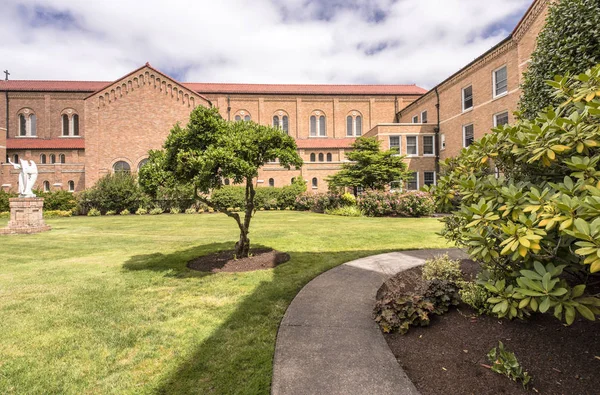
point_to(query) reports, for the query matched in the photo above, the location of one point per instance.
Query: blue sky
(253, 41)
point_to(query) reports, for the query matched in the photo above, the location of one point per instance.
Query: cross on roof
(7, 74)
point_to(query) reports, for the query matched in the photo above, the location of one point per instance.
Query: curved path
(328, 342)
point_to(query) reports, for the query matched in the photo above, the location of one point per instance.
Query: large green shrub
(390, 204)
(568, 43)
(289, 193)
(58, 200)
(536, 225)
(4, 203)
(113, 192)
(317, 202)
(442, 268)
(228, 197)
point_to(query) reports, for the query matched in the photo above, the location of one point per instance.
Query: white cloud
(289, 41)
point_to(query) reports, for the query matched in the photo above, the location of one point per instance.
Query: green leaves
(506, 363)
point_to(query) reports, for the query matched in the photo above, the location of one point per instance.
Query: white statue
(27, 177)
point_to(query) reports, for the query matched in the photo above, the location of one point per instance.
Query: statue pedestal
(25, 216)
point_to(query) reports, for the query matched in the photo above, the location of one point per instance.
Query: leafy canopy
(369, 167)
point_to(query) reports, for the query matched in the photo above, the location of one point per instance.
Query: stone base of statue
(25, 216)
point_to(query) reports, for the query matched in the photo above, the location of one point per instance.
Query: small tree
(369, 167)
(210, 150)
(569, 43)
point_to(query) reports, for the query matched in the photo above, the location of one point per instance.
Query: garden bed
(225, 261)
(448, 356)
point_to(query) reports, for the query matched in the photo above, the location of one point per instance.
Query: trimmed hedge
(388, 204)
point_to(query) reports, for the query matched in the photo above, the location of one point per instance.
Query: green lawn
(106, 304)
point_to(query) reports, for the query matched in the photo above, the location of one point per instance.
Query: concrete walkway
(328, 342)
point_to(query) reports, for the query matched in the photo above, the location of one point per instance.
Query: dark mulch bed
(259, 259)
(446, 357)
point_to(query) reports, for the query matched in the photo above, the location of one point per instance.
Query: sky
(252, 41)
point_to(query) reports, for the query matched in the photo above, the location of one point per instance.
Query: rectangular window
(428, 145)
(429, 178)
(468, 135)
(424, 117)
(416, 119)
(412, 148)
(395, 144)
(413, 183)
(500, 81)
(467, 98)
(442, 141)
(501, 119)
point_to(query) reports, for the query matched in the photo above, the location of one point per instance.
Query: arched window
(27, 123)
(313, 157)
(15, 158)
(292, 180)
(142, 163)
(43, 159)
(46, 185)
(71, 185)
(75, 121)
(52, 158)
(70, 122)
(226, 182)
(62, 158)
(65, 125)
(329, 157)
(271, 182)
(321, 157)
(315, 182)
(121, 167)
(281, 121)
(242, 115)
(354, 124)
(318, 124)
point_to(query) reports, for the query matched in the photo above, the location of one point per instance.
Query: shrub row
(387, 204)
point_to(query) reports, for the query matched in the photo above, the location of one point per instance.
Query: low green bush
(93, 212)
(345, 211)
(228, 196)
(156, 211)
(58, 200)
(317, 202)
(391, 204)
(398, 313)
(190, 210)
(443, 294)
(141, 211)
(57, 213)
(125, 212)
(348, 199)
(4, 203)
(114, 192)
(111, 212)
(476, 296)
(175, 210)
(506, 363)
(442, 268)
(4, 214)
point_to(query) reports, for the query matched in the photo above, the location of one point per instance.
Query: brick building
(78, 131)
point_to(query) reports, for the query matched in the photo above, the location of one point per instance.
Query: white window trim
(399, 144)
(462, 99)
(423, 112)
(496, 115)
(494, 95)
(434, 177)
(442, 141)
(418, 183)
(416, 136)
(464, 140)
(433, 139)
(415, 118)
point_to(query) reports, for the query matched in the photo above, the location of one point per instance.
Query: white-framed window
(315, 183)
(500, 79)
(71, 185)
(121, 167)
(271, 182)
(468, 135)
(46, 186)
(313, 157)
(442, 141)
(467, 98)
(412, 146)
(281, 121)
(395, 144)
(429, 178)
(415, 119)
(70, 123)
(353, 124)
(412, 184)
(43, 159)
(27, 123)
(501, 119)
(428, 145)
(318, 124)
(424, 117)
(242, 115)
(329, 157)
(62, 159)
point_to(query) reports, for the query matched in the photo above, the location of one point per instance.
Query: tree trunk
(242, 247)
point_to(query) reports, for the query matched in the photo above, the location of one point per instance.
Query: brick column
(25, 216)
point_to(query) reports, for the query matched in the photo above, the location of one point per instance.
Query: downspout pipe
(6, 97)
(437, 134)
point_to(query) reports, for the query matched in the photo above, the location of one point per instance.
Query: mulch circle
(447, 356)
(224, 261)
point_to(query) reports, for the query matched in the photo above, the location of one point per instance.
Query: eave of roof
(35, 143)
(317, 143)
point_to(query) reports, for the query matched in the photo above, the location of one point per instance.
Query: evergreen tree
(569, 43)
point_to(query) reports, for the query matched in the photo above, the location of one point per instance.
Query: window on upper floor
(271, 182)
(121, 167)
(16, 158)
(412, 146)
(468, 135)
(313, 157)
(71, 186)
(442, 141)
(415, 119)
(424, 117)
(281, 121)
(62, 158)
(329, 157)
(315, 183)
(52, 158)
(318, 124)
(353, 124)
(429, 178)
(70, 122)
(428, 145)
(46, 186)
(27, 123)
(501, 119)
(500, 81)
(395, 144)
(467, 98)
(242, 115)
(43, 159)
(321, 157)
(412, 184)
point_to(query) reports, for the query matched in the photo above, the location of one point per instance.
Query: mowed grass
(107, 305)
